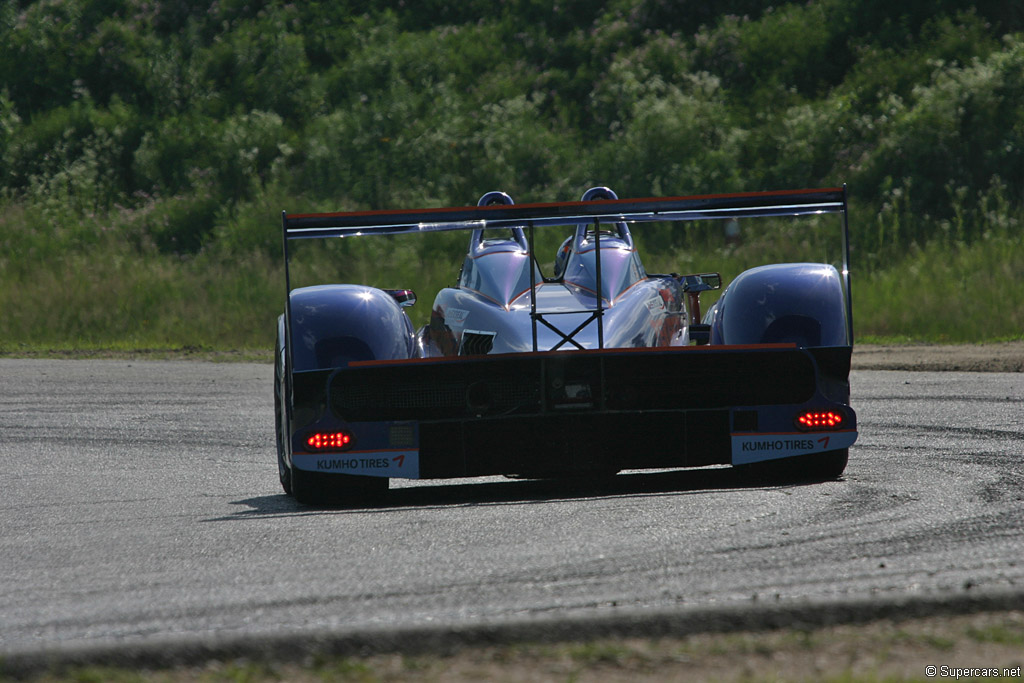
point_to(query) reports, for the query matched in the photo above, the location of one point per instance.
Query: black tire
(321, 488)
(280, 428)
(818, 467)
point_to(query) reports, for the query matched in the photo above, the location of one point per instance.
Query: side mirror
(403, 297)
(701, 283)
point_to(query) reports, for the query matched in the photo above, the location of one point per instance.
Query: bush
(674, 142)
(179, 130)
(954, 136)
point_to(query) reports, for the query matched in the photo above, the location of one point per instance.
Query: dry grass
(881, 651)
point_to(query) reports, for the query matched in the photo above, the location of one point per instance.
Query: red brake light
(329, 441)
(820, 420)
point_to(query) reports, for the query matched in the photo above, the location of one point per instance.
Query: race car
(596, 368)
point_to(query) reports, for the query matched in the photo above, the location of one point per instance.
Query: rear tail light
(820, 420)
(329, 441)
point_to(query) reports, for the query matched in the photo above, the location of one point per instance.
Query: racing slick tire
(283, 471)
(818, 467)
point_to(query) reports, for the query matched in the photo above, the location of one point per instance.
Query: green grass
(938, 294)
(109, 300)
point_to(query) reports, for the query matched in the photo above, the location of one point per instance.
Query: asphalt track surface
(141, 509)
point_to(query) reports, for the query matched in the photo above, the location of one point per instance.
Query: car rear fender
(333, 325)
(799, 303)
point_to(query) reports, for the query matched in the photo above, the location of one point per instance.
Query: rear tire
(818, 467)
(280, 428)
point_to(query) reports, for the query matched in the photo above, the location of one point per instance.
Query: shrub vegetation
(148, 147)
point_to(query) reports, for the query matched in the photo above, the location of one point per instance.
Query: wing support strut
(594, 314)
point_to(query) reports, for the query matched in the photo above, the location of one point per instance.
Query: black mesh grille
(534, 383)
(401, 397)
(425, 391)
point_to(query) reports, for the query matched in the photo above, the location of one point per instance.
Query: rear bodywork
(601, 368)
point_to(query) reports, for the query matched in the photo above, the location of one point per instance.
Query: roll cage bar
(582, 213)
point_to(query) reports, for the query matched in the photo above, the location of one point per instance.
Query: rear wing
(529, 216)
(746, 205)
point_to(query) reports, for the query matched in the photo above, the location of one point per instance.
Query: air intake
(476, 343)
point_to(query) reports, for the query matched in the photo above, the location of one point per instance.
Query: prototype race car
(599, 368)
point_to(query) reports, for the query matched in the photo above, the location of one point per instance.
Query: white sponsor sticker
(455, 317)
(748, 448)
(403, 464)
(655, 303)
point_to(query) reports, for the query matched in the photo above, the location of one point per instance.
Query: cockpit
(576, 262)
(497, 264)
